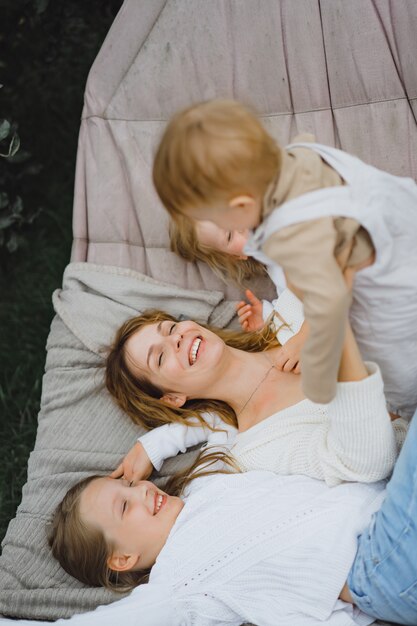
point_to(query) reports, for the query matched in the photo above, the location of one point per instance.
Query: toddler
(316, 211)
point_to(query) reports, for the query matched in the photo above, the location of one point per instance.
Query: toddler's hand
(250, 315)
(135, 466)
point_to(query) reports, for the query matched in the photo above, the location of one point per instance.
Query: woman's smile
(166, 352)
(194, 352)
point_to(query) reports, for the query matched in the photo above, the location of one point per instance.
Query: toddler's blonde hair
(185, 243)
(212, 152)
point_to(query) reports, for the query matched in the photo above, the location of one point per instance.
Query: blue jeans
(383, 577)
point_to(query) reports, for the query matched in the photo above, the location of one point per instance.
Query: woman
(162, 371)
(253, 547)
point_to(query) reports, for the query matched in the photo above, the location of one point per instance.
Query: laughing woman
(191, 379)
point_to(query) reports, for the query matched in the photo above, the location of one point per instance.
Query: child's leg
(383, 578)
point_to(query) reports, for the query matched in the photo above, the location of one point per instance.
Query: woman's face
(135, 520)
(176, 357)
(227, 241)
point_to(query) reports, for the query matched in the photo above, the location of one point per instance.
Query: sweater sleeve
(306, 252)
(358, 442)
(352, 439)
(170, 439)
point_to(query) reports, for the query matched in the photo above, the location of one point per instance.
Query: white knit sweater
(350, 439)
(256, 547)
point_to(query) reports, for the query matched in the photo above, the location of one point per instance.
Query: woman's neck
(254, 388)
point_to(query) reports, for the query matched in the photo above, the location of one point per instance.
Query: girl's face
(176, 357)
(136, 521)
(228, 241)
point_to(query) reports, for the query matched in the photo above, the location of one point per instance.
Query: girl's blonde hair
(83, 551)
(140, 399)
(212, 152)
(185, 243)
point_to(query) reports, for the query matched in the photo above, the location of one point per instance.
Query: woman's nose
(177, 339)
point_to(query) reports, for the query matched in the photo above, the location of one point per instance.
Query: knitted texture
(349, 439)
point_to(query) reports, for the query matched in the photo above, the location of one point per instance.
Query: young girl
(223, 251)
(254, 547)
(317, 210)
(162, 371)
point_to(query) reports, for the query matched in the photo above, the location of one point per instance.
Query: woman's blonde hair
(83, 551)
(212, 152)
(185, 243)
(140, 399)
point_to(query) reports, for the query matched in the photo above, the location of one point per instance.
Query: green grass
(44, 68)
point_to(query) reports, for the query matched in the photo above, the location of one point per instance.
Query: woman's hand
(250, 315)
(135, 466)
(288, 359)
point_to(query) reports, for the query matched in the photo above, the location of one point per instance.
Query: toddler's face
(228, 241)
(242, 213)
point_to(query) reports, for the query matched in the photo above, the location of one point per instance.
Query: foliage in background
(46, 50)
(13, 167)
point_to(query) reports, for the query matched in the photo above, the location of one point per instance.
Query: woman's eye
(124, 507)
(229, 236)
(160, 360)
(171, 328)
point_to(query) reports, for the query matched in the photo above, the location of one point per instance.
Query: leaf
(20, 157)
(17, 206)
(33, 216)
(5, 127)
(13, 243)
(41, 6)
(4, 199)
(6, 221)
(13, 146)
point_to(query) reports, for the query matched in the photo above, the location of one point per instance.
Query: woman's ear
(176, 400)
(122, 562)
